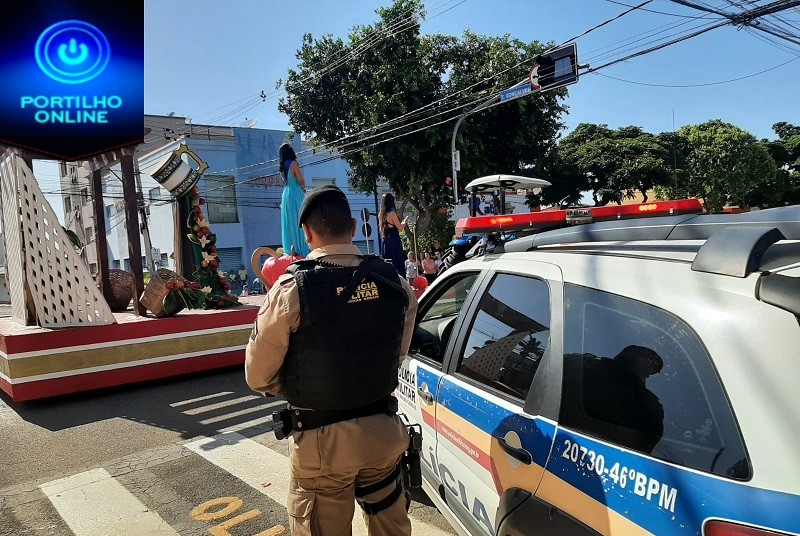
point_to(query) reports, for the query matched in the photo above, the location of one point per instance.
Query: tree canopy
(614, 164)
(724, 165)
(367, 95)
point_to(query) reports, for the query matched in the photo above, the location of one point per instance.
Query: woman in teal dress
(294, 188)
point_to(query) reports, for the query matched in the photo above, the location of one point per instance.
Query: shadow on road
(192, 405)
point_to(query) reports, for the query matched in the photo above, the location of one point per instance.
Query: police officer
(329, 338)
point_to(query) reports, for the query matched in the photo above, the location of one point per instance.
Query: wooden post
(182, 251)
(132, 224)
(100, 233)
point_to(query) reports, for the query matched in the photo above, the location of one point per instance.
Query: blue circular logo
(72, 52)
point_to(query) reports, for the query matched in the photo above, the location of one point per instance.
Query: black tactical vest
(345, 353)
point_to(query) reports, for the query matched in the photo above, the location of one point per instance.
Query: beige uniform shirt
(280, 316)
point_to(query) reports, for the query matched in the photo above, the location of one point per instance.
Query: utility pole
(559, 68)
(148, 246)
(455, 156)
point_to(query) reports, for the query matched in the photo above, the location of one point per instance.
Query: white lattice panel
(12, 236)
(64, 293)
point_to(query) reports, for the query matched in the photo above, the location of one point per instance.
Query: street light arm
(482, 106)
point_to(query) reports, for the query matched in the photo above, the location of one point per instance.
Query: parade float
(63, 337)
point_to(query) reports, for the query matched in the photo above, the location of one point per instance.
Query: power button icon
(72, 52)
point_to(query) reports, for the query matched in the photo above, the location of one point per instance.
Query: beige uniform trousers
(327, 464)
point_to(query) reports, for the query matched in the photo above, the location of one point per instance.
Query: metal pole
(377, 226)
(485, 104)
(366, 238)
(148, 246)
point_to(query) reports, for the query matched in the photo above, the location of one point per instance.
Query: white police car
(626, 377)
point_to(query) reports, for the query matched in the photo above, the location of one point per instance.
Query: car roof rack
(735, 244)
(685, 227)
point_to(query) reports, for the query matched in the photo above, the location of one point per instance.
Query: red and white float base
(37, 362)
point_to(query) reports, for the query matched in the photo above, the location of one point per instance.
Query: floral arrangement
(210, 288)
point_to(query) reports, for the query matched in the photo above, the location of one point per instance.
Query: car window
(508, 335)
(439, 314)
(639, 377)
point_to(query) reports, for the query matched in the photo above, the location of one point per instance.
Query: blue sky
(200, 57)
(206, 58)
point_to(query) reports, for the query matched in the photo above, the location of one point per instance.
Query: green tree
(380, 78)
(785, 187)
(724, 164)
(615, 164)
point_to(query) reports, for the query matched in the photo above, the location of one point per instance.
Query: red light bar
(561, 218)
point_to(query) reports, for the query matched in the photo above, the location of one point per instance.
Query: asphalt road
(180, 456)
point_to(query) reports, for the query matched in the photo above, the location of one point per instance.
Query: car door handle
(425, 395)
(516, 452)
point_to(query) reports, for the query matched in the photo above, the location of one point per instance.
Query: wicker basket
(156, 290)
(121, 292)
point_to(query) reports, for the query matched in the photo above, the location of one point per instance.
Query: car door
(421, 371)
(495, 414)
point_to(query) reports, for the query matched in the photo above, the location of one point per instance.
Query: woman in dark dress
(390, 224)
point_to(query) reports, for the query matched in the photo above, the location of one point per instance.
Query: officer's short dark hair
(327, 211)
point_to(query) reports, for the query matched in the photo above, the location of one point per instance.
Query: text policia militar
(71, 108)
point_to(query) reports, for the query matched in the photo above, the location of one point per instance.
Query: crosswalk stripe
(93, 503)
(263, 408)
(220, 405)
(268, 472)
(199, 399)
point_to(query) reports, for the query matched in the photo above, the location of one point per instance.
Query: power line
(748, 18)
(654, 10)
(703, 84)
(379, 34)
(336, 143)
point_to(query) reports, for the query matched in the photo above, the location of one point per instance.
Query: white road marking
(257, 465)
(199, 399)
(220, 405)
(93, 503)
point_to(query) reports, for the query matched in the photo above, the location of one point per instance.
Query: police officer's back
(329, 338)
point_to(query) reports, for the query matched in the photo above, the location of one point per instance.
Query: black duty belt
(298, 420)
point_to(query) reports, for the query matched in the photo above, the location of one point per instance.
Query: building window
(109, 212)
(164, 263)
(84, 195)
(67, 205)
(318, 182)
(115, 264)
(89, 233)
(221, 199)
(154, 194)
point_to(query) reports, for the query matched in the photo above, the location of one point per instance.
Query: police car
(633, 376)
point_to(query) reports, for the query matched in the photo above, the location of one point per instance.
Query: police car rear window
(639, 377)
